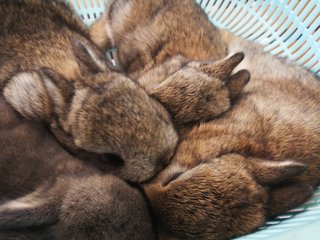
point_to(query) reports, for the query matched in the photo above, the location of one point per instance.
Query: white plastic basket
(288, 28)
(285, 28)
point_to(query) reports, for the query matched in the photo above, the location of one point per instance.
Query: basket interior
(285, 28)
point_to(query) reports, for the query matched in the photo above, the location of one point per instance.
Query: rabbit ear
(274, 172)
(101, 32)
(237, 82)
(288, 196)
(221, 68)
(36, 94)
(116, 17)
(29, 211)
(90, 59)
(33, 95)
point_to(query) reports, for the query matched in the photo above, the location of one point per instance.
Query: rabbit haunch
(52, 73)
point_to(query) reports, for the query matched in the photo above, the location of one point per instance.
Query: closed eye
(114, 159)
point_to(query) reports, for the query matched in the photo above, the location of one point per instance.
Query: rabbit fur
(78, 197)
(51, 72)
(254, 161)
(45, 193)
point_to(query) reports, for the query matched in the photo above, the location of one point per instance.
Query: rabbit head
(102, 112)
(146, 33)
(194, 91)
(217, 199)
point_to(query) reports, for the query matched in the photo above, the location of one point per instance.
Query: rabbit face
(217, 198)
(101, 112)
(146, 33)
(113, 116)
(194, 91)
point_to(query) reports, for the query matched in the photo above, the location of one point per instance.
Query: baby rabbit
(259, 159)
(195, 91)
(146, 33)
(56, 195)
(150, 48)
(51, 72)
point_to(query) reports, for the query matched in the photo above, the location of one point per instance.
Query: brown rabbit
(51, 72)
(64, 190)
(195, 91)
(229, 174)
(56, 195)
(146, 33)
(276, 118)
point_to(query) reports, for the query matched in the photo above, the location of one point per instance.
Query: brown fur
(146, 33)
(276, 118)
(195, 91)
(273, 126)
(58, 196)
(147, 47)
(51, 72)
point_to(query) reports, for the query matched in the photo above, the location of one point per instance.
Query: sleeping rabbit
(51, 72)
(256, 160)
(45, 193)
